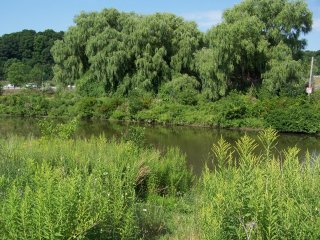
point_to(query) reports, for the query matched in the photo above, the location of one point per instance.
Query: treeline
(25, 56)
(257, 44)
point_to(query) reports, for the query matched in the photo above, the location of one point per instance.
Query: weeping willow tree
(118, 52)
(259, 42)
(111, 52)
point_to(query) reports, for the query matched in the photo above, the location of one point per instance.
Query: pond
(195, 142)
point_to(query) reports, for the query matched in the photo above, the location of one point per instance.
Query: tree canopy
(125, 50)
(252, 37)
(258, 43)
(29, 48)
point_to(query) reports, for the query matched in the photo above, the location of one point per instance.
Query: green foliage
(213, 79)
(125, 51)
(17, 73)
(27, 103)
(139, 100)
(63, 105)
(1, 88)
(236, 110)
(249, 32)
(294, 116)
(135, 134)
(182, 89)
(268, 138)
(37, 75)
(260, 197)
(112, 52)
(87, 86)
(106, 106)
(30, 47)
(307, 61)
(84, 189)
(85, 107)
(49, 129)
(58, 188)
(283, 72)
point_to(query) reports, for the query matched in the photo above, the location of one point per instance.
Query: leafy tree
(213, 78)
(253, 29)
(18, 73)
(119, 52)
(30, 47)
(37, 74)
(124, 51)
(284, 20)
(283, 70)
(43, 42)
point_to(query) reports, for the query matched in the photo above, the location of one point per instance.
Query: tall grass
(253, 195)
(53, 188)
(60, 188)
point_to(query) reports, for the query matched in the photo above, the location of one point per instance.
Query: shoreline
(163, 124)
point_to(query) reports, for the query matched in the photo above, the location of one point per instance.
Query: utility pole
(309, 88)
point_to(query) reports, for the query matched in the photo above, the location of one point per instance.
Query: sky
(16, 15)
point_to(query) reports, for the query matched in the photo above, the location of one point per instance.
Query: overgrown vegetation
(258, 196)
(237, 110)
(55, 188)
(60, 188)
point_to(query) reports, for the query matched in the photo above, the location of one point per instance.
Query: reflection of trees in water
(18, 126)
(196, 142)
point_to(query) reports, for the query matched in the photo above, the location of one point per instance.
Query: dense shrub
(183, 89)
(237, 110)
(63, 105)
(27, 103)
(86, 106)
(293, 115)
(139, 100)
(106, 106)
(88, 87)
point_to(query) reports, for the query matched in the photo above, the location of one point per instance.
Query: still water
(195, 142)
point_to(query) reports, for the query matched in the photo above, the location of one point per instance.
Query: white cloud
(316, 24)
(205, 19)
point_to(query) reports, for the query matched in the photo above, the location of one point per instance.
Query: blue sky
(39, 15)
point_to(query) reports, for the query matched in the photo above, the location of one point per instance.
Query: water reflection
(194, 142)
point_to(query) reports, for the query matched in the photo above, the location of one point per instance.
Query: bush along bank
(237, 110)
